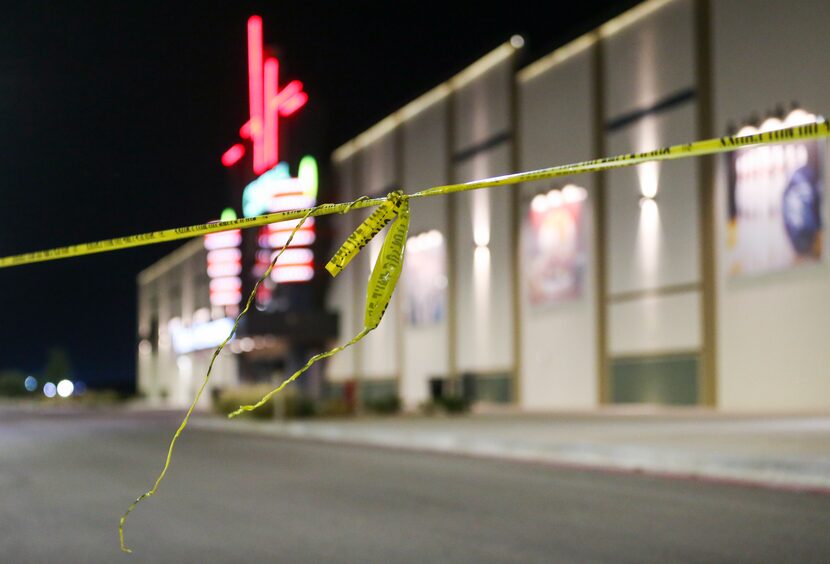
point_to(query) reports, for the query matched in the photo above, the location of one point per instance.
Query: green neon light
(257, 194)
(308, 176)
(228, 214)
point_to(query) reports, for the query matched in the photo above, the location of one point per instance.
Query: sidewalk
(770, 450)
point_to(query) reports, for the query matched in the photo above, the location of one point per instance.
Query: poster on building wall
(775, 203)
(425, 279)
(554, 246)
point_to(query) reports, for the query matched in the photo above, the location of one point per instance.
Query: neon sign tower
(266, 103)
(274, 189)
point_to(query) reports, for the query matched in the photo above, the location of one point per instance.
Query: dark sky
(113, 116)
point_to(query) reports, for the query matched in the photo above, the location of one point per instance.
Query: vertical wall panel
(484, 286)
(484, 274)
(652, 246)
(649, 59)
(772, 328)
(376, 174)
(340, 296)
(650, 249)
(425, 348)
(559, 341)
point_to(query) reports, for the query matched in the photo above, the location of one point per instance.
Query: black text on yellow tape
(387, 269)
(364, 233)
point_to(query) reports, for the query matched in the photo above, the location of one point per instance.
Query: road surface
(66, 479)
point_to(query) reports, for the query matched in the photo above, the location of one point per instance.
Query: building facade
(695, 282)
(178, 330)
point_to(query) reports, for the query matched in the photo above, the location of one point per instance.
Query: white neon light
(223, 240)
(223, 269)
(230, 283)
(289, 202)
(294, 256)
(301, 239)
(294, 273)
(290, 225)
(226, 298)
(224, 255)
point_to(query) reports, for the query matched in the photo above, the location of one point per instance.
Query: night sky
(113, 116)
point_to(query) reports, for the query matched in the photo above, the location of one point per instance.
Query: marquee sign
(274, 189)
(224, 265)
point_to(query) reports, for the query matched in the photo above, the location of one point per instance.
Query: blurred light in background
(517, 41)
(49, 390)
(65, 388)
(30, 383)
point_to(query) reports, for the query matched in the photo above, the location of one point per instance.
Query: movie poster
(776, 196)
(425, 279)
(554, 246)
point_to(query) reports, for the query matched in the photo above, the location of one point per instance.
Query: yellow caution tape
(389, 265)
(154, 237)
(382, 284)
(696, 149)
(152, 491)
(364, 233)
(387, 269)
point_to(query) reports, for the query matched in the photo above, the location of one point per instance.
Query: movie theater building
(693, 282)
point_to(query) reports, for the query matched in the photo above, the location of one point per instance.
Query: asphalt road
(66, 479)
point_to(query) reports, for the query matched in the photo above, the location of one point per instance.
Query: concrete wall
(177, 287)
(425, 348)
(653, 248)
(377, 173)
(558, 348)
(772, 328)
(771, 348)
(341, 293)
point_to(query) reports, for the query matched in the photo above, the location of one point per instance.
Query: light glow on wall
(649, 175)
(648, 241)
(199, 336)
(425, 279)
(775, 196)
(481, 218)
(553, 246)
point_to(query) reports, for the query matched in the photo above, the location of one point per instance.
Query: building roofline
(423, 102)
(170, 261)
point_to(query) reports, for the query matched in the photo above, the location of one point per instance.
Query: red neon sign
(266, 102)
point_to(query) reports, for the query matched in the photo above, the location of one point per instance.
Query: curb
(752, 471)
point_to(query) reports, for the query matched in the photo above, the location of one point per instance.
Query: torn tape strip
(364, 233)
(387, 269)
